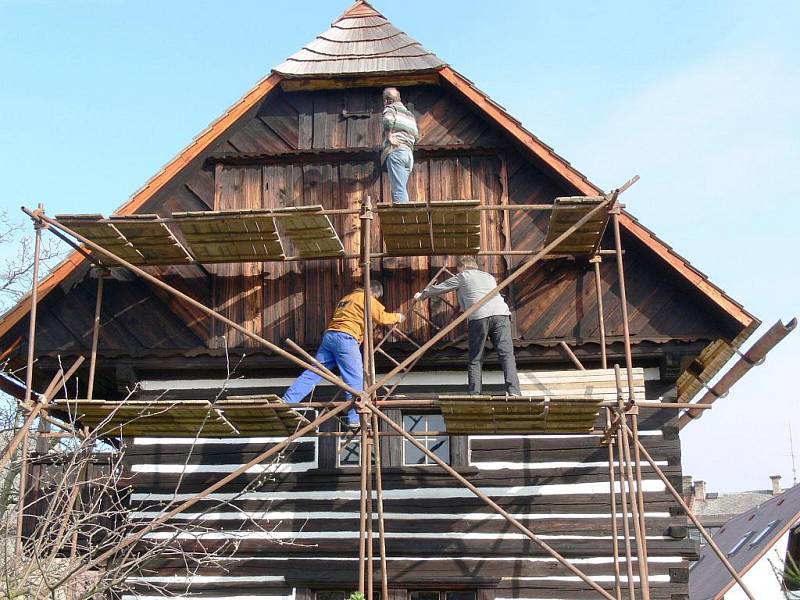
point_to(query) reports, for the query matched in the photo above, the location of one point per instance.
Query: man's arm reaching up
(448, 285)
(382, 317)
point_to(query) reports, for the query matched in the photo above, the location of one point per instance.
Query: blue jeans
(338, 349)
(399, 164)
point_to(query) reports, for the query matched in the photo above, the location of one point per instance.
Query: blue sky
(698, 98)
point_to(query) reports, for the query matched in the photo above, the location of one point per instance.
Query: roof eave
(581, 183)
(202, 141)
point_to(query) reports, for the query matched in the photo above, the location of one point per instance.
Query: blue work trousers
(338, 349)
(399, 165)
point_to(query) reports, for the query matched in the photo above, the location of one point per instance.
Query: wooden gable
(320, 147)
(295, 141)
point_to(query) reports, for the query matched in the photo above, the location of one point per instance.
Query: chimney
(686, 485)
(776, 484)
(699, 490)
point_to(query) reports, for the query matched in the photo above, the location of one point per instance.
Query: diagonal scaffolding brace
(367, 403)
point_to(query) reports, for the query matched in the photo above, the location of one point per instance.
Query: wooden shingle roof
(360, 41)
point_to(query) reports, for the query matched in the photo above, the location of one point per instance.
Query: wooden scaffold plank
(231, 236)
(231, 417)
(310, 231)
(152, 239)
(419, 228)
(566, 212)
(104, 234)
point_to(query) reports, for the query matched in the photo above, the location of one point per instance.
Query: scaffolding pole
(712, 544)
(613, 499)
(491, 503)
(368, 405)
(95, 333)
(38, 215)
(596, 260)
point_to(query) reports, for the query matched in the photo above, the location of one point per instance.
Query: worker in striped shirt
(400, 133)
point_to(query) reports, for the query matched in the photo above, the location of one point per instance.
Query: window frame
(425, 440)
(355, 441)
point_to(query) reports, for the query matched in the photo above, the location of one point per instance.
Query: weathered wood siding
(299, 527)
(554, 301)
(296, 299)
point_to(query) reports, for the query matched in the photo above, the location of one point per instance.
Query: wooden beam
(341, 83)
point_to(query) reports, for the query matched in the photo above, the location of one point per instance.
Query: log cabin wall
(296, 299)
(298, 149)
(294, 529)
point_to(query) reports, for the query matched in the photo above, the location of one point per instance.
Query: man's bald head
(390, 95)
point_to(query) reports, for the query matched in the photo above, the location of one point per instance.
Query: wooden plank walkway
(417, 228)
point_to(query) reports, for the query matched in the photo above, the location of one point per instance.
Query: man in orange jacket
(339, 347)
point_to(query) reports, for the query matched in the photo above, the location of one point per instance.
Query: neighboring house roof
(709, 579)
(361, 41)
(719, 508)
(362, 18)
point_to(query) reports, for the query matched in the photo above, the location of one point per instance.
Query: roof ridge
(361, 8)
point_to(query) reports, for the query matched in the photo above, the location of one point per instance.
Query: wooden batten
(342, 83)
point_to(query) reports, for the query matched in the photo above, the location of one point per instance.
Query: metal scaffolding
(620, 433)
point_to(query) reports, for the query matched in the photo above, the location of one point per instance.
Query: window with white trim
(349, 447)
(425, 426)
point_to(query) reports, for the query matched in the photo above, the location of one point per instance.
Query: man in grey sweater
(492, 320)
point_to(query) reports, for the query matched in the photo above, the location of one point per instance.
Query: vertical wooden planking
(351, 185)
(442, 186)
(419, 185)
(462, 179)
(487, 188)
(331, 287)
(358, 128)
(329, 128)
(227, 188)
(239, 293)
(374, 105)
(314, 294)
(280, 278)
(251, 291)
(304, 105)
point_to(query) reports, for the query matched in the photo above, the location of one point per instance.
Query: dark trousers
(498, 329)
